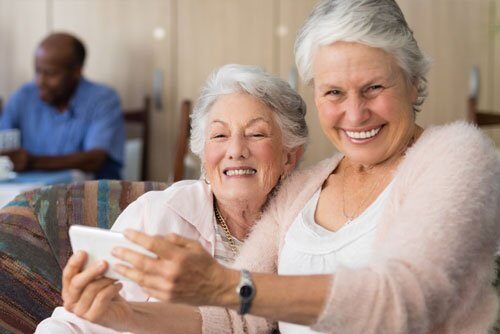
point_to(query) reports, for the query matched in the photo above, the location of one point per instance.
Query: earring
(282, 177)
(204, 175)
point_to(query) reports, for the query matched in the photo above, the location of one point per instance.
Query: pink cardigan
(432, 266)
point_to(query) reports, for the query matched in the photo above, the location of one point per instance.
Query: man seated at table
(66, 121)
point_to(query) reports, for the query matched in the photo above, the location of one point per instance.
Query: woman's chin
(242, 194)
(364, 158)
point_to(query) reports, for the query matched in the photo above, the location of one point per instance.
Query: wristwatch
(246, 291)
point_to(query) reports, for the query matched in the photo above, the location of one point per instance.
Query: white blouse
(312, 249)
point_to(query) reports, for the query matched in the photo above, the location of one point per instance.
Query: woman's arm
(295, 299)
(185, 273)
(160, 317)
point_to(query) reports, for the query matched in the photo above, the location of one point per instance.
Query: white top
(312, 249)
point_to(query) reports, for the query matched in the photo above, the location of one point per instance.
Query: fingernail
(80, 255)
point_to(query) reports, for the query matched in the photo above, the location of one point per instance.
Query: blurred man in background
(65, 120)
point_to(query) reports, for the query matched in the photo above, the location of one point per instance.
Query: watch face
(246, 291)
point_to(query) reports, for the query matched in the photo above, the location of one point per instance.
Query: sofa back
(34, 242)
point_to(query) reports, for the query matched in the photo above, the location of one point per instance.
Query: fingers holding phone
(86, 292)
(81, 286)
(182, 271)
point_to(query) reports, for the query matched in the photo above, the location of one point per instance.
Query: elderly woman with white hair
(249, 130)
(394, 234)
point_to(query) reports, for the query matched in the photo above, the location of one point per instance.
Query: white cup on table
(6, 168)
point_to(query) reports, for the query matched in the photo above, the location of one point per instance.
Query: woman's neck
(240, 217)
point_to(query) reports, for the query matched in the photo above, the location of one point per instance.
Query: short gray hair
(288, 106)
(375, 23)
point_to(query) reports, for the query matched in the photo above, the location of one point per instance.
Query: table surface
(33, 179)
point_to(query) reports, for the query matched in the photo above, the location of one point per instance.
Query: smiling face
(243, 154)
(364, 101)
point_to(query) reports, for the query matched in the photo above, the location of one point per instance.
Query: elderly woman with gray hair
(249, 130)
(394, 234)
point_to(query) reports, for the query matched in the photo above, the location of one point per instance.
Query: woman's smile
(363, 136)
(239, 172)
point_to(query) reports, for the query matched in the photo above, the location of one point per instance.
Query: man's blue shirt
(93, 120)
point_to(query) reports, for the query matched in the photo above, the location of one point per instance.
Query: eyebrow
(251, 122)
(375, 79)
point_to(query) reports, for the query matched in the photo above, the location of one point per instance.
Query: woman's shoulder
(185, 198)
(457, 138)
(302, 183)
(313, 173)
(457, 146)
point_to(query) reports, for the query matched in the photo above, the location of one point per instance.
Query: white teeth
(233, 172)
(363, 134)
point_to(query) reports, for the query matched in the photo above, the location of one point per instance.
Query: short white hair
(376, 23)
(289, 108)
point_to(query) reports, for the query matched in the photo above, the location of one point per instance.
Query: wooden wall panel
(217, 32)
(456, 35)
(123, 52)
(494, 132)
(119, 39)
(23, 23)
(292, 16)
(495, 89)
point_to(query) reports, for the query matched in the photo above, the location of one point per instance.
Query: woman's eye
(256, 135)
(334, 92)
(374, 88)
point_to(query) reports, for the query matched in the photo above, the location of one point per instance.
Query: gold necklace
(350, 218)
(222, 223)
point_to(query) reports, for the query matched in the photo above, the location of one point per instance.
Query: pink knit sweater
(432, 265)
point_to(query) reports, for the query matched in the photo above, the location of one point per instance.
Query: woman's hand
(91, 296)
(183, 271)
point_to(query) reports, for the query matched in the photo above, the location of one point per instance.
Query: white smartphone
(98, 244)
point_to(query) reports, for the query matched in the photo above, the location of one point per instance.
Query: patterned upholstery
(34, 243)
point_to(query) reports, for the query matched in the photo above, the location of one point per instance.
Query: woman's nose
(355, 110)
(238, 148)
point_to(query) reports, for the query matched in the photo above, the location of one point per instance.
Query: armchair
(34, 242)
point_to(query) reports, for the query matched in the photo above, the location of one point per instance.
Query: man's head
(58, 67)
